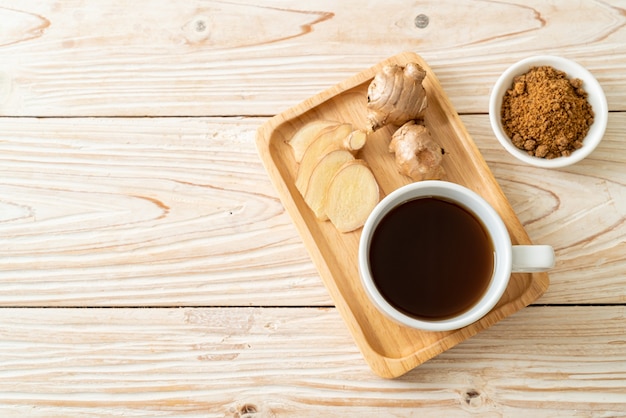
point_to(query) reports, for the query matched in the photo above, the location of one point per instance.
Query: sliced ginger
(417, 154)
(307, 134)
(323, 149)
(396, 95)
(328, 140)
(352, 195)
(326, 168)
(355, 141)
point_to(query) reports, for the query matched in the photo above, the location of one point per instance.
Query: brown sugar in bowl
(594, 96)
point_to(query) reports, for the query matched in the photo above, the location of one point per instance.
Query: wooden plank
(176, 211)
(144, 212)
(237, 362)
(118, 58)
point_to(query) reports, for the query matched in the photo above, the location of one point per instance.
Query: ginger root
(417, 154)
(396, 95)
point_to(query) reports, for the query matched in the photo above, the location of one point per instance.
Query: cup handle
(532, 258)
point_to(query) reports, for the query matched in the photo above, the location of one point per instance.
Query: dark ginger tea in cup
(431, 258)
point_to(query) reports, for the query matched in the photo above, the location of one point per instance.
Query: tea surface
(431, 259)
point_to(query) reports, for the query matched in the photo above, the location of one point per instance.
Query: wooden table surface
(148, 267)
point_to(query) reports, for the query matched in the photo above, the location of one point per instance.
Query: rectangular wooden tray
(390, 349)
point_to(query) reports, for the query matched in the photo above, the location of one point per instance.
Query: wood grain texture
(143, 212)
(206, 58)
(159, 213)
(247, 362)
(175, 211)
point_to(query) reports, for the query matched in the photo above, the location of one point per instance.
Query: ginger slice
(417, 155)
(352, 195)
(355, 141)
(303, 137)
(321, 176)
(329, 139)
(396, 95)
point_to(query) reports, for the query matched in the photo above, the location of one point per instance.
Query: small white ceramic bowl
(596, 98)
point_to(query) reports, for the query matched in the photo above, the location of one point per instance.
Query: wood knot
(201, 26)
(472, 397)
(197, 29)
(246, 411)
(421, 21)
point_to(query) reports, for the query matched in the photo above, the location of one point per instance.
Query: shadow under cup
(434, 255)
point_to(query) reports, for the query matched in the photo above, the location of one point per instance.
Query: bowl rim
(596, 97)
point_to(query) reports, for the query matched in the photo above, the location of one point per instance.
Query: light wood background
(147, 267)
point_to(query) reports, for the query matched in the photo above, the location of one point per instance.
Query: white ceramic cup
(507, 258)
